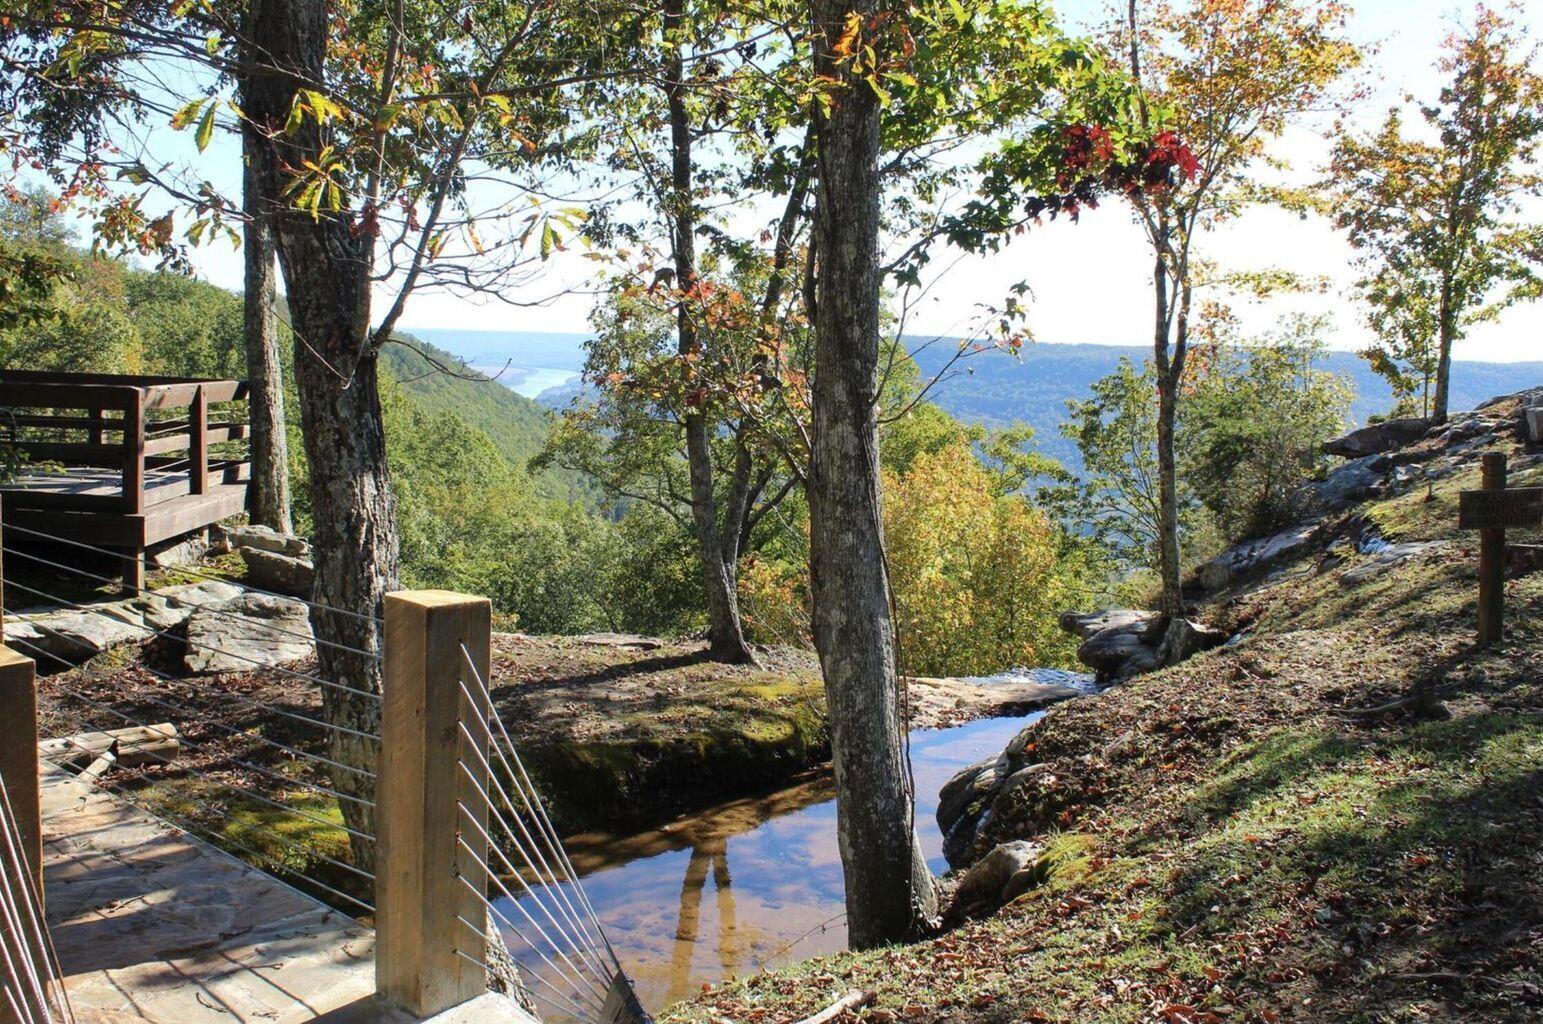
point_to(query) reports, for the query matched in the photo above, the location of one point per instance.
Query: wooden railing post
(21, 928)
(198, 443)
(1492, 558)
(426, 959)
(134, 452)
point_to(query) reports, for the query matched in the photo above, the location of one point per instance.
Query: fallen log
(134, 745)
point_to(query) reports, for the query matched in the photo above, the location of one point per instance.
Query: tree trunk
(1447, 331)
(265, 398)
(719, 561)
(1168, 495)
(1170, 370)
(326, 266)
(889, 890)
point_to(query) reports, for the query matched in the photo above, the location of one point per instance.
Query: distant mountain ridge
(997, 389)
(994, 389)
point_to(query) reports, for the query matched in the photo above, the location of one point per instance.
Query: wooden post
(19, 770)
(421, 788)
(198, 443)
(134, 452)
(1492, 558)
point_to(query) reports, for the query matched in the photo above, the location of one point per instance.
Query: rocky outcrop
(1377, 438)
(1121, 643)
(985, 791)
(278, 562)
(75, 635)
(1252, 558)
(280, 573)
(1385, 558)
(1001, 876)
(247, 632)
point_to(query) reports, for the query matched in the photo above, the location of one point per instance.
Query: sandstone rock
(1377, 438)
(1385, 558)
(281, 573)
(264, 538)
(247, 632)
(1523, 559)
(966, 787)
(1185, 638)
(1534, 424)
(1085, 625)
(1252, 557)
(1004, 874)
(1116, 653)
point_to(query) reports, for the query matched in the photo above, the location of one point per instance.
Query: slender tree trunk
(1168, 496)
(265, 399)
(1169, 373)
(720, 560)
(889, 890)
(1447, 331)
(326, 268)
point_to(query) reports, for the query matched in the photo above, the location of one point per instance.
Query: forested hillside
(516, 425)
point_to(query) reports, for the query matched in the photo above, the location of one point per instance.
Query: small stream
(752, 882)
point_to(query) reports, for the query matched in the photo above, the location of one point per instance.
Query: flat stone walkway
(154, 925)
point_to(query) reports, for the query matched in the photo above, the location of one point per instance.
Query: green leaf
(187, 114)
(205, 129)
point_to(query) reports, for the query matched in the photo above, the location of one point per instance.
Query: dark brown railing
(128, 424)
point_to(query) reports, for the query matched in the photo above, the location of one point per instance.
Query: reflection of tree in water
(706, 835)
(715, 853)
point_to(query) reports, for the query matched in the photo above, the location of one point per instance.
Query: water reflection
(751, 882)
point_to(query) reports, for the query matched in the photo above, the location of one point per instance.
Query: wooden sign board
(1513, 509)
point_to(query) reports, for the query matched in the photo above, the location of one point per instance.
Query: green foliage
(1255, 415)
(1437, 215)
(1253, 427)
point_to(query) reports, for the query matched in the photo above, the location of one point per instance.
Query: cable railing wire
(21, 910)
(578, 978)
(218, 839)
(578, 950)
(202, 607)
(550, 882)
(287, 843)
(188, 570)
(243, 698)
(229, 785)
(532, 800)
(491, 912)
(576, 1011)
(242, 733)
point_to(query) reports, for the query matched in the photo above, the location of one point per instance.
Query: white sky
(1091, 281)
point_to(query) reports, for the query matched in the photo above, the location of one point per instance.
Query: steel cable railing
(34, 978)
(195, 573)
(509, 824)
(194, 797)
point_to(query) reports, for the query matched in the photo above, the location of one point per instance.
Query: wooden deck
(122, 462)
(154, 925)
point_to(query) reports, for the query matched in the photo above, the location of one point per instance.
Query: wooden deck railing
(128, 424)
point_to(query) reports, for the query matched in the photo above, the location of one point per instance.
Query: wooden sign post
(1492, 511)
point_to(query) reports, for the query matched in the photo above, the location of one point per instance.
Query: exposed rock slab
(248, 632)
(280, 573)
(1001, 876)
(74, 635)
(1378, 438)
(1251, 558)
(1386, 558)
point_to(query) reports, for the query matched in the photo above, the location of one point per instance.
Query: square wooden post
(22, 936)
(420, 896)
(134, 451)
(198, 443)
(1492, 558)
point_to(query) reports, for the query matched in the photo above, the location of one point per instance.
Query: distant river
(535, 360)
